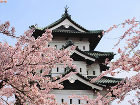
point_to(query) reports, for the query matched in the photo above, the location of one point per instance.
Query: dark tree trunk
(18, 101)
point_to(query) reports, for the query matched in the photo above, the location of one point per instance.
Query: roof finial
(66, 12)
(66, 9)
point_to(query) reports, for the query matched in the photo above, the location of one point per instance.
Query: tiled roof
(70, 31)
(64, 16)
(102, 82)
(67, 16)
(106, 80)
(93, 54)
(97, 54)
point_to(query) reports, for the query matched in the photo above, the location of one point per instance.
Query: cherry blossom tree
(128, 60)
(25, 68)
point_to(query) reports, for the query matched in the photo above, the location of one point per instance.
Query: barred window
(79, 101)
(83, 47)
(70, 101)
(93, 72)
(62, 100)
(55, 46)
(80, 70)
(57, 69)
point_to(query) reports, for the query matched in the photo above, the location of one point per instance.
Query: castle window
(93, 72)
(80, 70)
(70, 101)
(79, 101)
(55, 46)
(57, 69)
(62, 100)
(83, 47)
(65, 70)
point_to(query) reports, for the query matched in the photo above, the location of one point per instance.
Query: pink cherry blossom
(20, 67)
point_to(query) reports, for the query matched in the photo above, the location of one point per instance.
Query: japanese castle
(66, 32)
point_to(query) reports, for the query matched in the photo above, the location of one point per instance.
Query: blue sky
(91, 14)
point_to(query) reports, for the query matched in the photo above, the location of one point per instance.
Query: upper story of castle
(65, 31)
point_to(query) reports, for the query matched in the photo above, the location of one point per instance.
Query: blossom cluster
(24, 68)
(129, 60)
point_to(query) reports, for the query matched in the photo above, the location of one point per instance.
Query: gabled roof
(103, 82)
(65, 16)
(66, 30)
(63, 28)
(82, 79)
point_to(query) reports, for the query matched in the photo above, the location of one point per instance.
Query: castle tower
(66, 32)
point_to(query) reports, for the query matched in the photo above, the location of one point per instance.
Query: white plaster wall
(79, 64)
(82, 65)
(94, 67)
(64, 94)
(60, 70)
(80, 45)
(60, 41)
